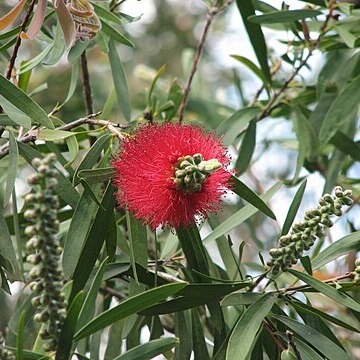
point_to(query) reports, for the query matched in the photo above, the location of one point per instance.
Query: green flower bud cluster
(304, 233)
(5, 354)
(190, 172)
(357, 271)
(45, 251)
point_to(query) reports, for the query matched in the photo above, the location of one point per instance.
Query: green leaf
(104, 13)
(29, 65)
(73, 147)
(137, 243)
(327, 290)
(94, 176)
(307, 353)
(240, 189)
(58, 48)
(307, 140)
(231, 126)
(349, 98)
(128, 307)
(31, 355)
(94, 241)
(54, 135)
(317, 313)
(240, 216)
(294, 207)
(68, 328)
(73, 82)
(157, 76)
(199, 344)
(247, 148)
(193, 248)
(250, 65)
(285, 16)
(255, 34)
(120, 83)
(317, 340)
(16, 116)
(245, 330)
(115, 34)
(64, 189)
(346, 145)
(241, 298)
(23, 102)
(7, 251)
(12, 169)
(149, 350)
(92, 156)
(20, 337)
(347, 244)
(194, 295)
(81, 222)
(89, 305)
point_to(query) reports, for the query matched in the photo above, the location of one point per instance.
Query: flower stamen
(190, 172)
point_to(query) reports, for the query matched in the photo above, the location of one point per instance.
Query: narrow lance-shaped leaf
(119, 78)
(68, 328)
(347, 244)
(327, 290)
(240, 189)
(319, 341)
(128, 307)
(13, 167)
(247, 148)
(240, 216)
(334, 120)
(255, 34)
(285, 16)
(23, 102)
(294, 207)
(149, 350)
(244, 333)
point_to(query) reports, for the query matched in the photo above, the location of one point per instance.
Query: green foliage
(207, 290)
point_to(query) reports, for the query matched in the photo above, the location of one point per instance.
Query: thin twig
(213, 11)
(31, 135)
(18, 40)
(271, 105)
(16, 50)
(87, 90)
(258, 280)
(290, 336)
(272, 332)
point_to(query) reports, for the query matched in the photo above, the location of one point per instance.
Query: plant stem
(32, 134)
(213, 11)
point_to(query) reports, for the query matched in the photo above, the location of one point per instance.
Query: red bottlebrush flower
(167, 174)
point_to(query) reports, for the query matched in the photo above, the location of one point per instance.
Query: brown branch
(272, 332)
(16, 50)
(87, 90)
(290, 336)
(18, 40)
(31, 135)
(258, 280)
(271, 105)
(213, 11)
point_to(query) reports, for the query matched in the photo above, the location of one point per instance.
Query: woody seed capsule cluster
(5, 354)
(304, 233)
(44, 248)
(357, 271)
